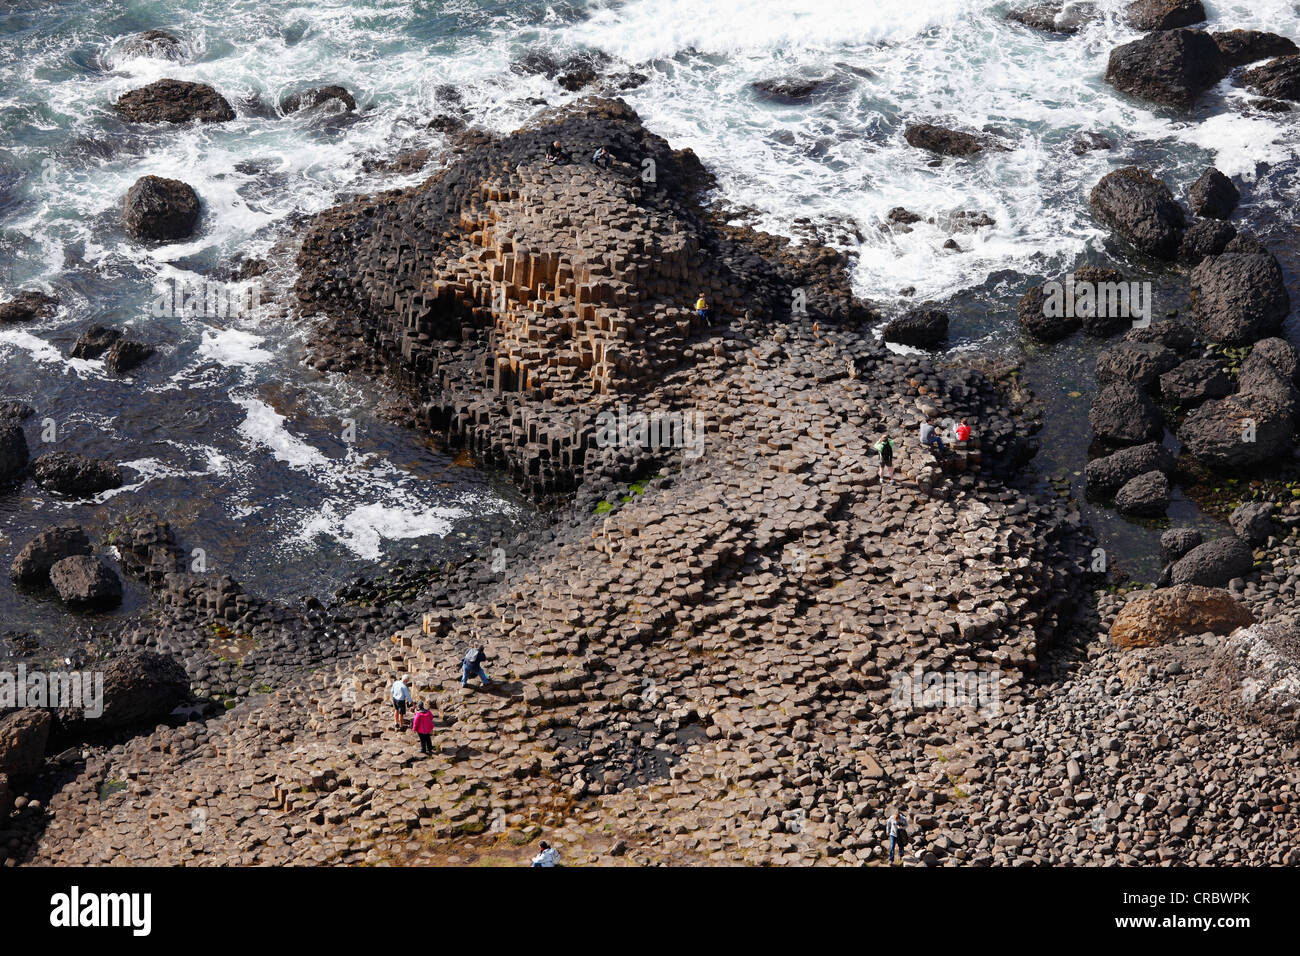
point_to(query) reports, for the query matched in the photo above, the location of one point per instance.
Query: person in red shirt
(963, 431)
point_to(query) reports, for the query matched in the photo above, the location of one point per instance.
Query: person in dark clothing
(554, 153)
(602, 157)
(885, 449)
(471, 665)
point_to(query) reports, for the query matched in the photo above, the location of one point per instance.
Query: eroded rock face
(86, 581)
(1123, 414)
(1214, 563)
(1164, 14)
(1279, 79)
(1169, 67)
(161, 210)
(1240, 47)
(1107, 475)
(1256, 677)
(1141, 210)
(32, 564)
(1239, 298)
(1156, 617)
(174, 101)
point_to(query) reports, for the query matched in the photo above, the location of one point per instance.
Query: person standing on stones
(471, 665)
(548, 856)
(930, 434)
(897, 827)
(885, 449)
(401, 700)
(422, 724)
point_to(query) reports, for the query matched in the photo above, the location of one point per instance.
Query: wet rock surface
(174, 101)
(1169, 67)
(161, 210)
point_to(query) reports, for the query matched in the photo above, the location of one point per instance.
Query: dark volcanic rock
(161, 210)
(1279, 79)
(789, 89)
(1141, 210)
(1240, 47)
(1214, 563)
(26, 306)
(1177, 542)
(174, 101)
(921, 328)
(23, 735)
(1214, 195)
(86, 581)
(1205, 237)
(1238, 432)
(1239, 298)
(1270, 370)
(1170, 333)
(126, 355)
(1034, 318)
(1123, 414)
(1145, 496)
(1056, 17)
(16, 411)
(1195, 381)
(944, 141)
(141, 687)
(74, 475)
(32, 564)
(1164, 14)
(1088, 142)
(156, 44)
(309, 99)
(13, 450)
(1107, 475)
(1255, 677)
(1140, 363)
(95, 341)
(1252, 522)
(1169, 67)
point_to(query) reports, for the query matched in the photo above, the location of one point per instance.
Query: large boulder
(23, 735)
(1141, 210)
(1123, 414)
(1214, 563)
(27, 306)
(1240, 47)
(1146, 496)
(95, 341)
(1151, 618)
(1252, 522)
(1205, 238)
(138, 687)
(32, 564)
(789, 89)
(1279, 79)
(1213, 195)
(1037, 322)
(1195, 381)
(1061, 16)
(1164, 14)
(1141, 363)
(86, 581)
(174, 101)
(1270, 370)
(1177, 542)
(1169, 67)
(1239, 298)
(944, 141)
(75, 475)
(126, 355)
(154, 44)
(13, 450)
(920, 328)
(1238, 432)
(1171, 334)
(318, 96)
(1255, 677)
(1107, 475)
(161, 210)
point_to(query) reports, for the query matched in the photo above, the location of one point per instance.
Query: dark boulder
(789, 89)
(1204, 238)
(1214, 563)
(1170, 333)
(1141, 210)
(32, 564)
(137, 688)
(1140, 363)
(161, 210)
(1169, 67)
(1123, 414)
(1056, 17)
(1240, 47)
(95, 341)
(1035, 319)
(944, 141)
(15, 411)
(1164, 14)
(1176, 542)
(1279, 79)
(126, 355)
(1252, 522)
(14, 453)
(1146, 496)
(155, 44)
(1213, 195)
(1195, 381)
(1089, 142)
(27, 306)
(1247, 244)
(1238, 432)
(317, 96)
(85, 581)
(174, 101)
(1107, 475)
(1270, 370)
(23, 736)
(76, 476)
(920, 328)
(1239, 298)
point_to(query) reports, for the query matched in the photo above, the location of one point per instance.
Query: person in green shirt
(885, 449)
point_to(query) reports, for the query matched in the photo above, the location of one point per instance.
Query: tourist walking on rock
(422, 724)
(930, 434)
(548, 856)
(471, 665)
(897, 827)
(962, 431)
(401, 700)
(885, 449)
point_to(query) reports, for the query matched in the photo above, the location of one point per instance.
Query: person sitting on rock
(548, 856)
(930, 435)
(554, 153)
(885, 449)
(401, 700)
(422, 724)
(962, 431)
(471, 665)
(702, 308)
(602, 157)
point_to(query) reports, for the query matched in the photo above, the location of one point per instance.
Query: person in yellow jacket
(702, 307)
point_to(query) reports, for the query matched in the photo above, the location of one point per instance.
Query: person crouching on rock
(930, 435)
(885, 449)
(554, 154)
(548, 856)
(401, 700)
(422, 724)
(702, 308)
(471, 665)
(602, 157)
(962, 431)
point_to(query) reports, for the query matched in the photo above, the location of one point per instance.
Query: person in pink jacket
(422, 724)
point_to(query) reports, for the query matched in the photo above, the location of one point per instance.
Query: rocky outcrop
(95, 341)
(13, 450)
(1168, 67)
(32, 564)
(1123, 414)
(126, 355)
(1238, 432)
(1214, 564)
(1156, 617)
(1139, 363)
(943, 141)
(1270, 370)
(138, 687)
(1107, 475)
(1141, 210)
(1164, 14)
(86, 581)
(1205, 238)
(174, 101)
(919, 328)
(1054, 17)
(74, 475)
(1256, 677)
(1176, 542)
(789, 89)
(27, 306)
(15, 411)
(23, 736)
(1252, 522)
(1195, 381)
(161, 210)
(1146, 496)
(1239, 298)
(318, 96)
(155, 44)
(1240, 47)
(1213, 195)
(1279, 79)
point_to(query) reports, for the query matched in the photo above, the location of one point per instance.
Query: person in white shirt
(548, 856)
(401, 700)
(897, 827)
